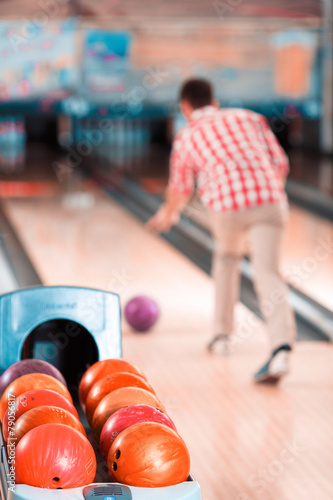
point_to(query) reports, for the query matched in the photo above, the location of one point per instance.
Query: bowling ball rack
(71, 327)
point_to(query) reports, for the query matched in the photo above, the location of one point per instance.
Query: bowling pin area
(115, 141)
(12, 143)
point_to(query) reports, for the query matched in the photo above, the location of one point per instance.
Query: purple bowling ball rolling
(28, 366)
(141, 313)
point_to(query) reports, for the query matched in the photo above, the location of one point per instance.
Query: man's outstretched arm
(168, 213)
(181, 186)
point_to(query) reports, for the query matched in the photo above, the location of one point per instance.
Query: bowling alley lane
(246, 442)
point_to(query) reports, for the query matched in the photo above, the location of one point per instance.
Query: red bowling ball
(141, 313)
(124, 418)
(33, 399)
(54, 456)
(126, 396)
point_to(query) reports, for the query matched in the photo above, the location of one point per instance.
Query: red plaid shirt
(231, 156)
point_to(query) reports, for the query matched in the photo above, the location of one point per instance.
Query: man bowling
(235, 162)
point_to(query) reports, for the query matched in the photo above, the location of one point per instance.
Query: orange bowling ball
(54, 456)
(125, 417)
(29, 382)
(110, 383)
(40, 416)
(33, 399)
(149, 455)
(126, 396)
(101, 369)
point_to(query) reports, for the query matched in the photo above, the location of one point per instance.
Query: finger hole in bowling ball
(114, 466)
(55, 479)
(118, 453)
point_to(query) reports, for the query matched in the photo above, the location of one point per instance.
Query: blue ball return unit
(72, 328)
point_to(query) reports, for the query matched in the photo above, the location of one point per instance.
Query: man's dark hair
(197, 93)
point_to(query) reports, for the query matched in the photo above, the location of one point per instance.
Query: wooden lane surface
(247, 442)
(308, 255)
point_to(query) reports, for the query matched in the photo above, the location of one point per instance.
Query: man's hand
(283, 178)
(168, 214)
(163, 220)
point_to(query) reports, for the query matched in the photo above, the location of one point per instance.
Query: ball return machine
(71, 328)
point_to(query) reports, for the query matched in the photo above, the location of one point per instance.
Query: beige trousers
(263, 228)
